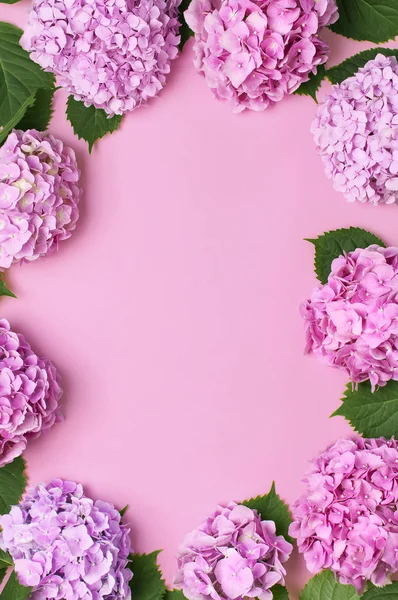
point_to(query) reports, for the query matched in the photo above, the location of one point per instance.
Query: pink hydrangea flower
(347, 520)
(356, 133)
(233, 555)
(253, 53)
(110, 54)
(39, 196)
(351, 322)
(66, 546)
(29, 394)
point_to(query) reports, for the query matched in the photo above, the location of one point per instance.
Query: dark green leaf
(279, 592)
(349, 67)
(371, 414)
(12, 484)
(310, 87)
(389, 592)
(9, 1)
(147, 582)
(4, 291)
(3, 571)
(272, 508)
(372, 20)
(20, 78)
(90, 123)
(5, 559)
(185, 31)
(13, 590)
(123, 511)
(177, 595)
(325, 587)
(332, 244)
(38, 116)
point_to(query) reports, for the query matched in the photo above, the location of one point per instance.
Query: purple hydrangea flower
(233, 555)
(39, 196)
(253, 53)
(29, 394)
(351, 322)
(66, 546)
(356, 133)
(347, 520)
(110, 54)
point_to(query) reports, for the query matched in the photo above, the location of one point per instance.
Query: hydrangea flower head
(233, 555)
(254, 52)
(39, 196)
(347, 520)
(66, 546)
(29, 394)
(113, 54)
(351, 322)
(356, 133)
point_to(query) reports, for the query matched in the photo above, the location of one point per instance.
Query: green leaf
(5, 560)
(147, 582)
(272, 508)
(279, 592)
(349, 67)
(310, 87)
(371, 414)
(13, 590)
(4, 291)
(90, 123)
(123, 511)
(325, 587)
(12, 484)
(20, 78)
(332, 244)
(3, 571)
(185, 31)
(372, 20)
(38, 115)
(388, 592)
(177, 595)
(9, 1)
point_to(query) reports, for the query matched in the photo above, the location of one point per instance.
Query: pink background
(172, 313)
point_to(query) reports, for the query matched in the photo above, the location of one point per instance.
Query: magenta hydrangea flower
(253, 53)
(39, 196)
(351, 322)
(356, 133)
(66, 546)
(29, 394)
(233, 555)
(347, 520)
(110, 54)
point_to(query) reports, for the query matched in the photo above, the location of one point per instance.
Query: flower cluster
(65, 546)
(110, 54)
(352, 321)
(356, 132)
(347, 521)
(29, 394)
(233, 555)
(39, 196)
(253, 52)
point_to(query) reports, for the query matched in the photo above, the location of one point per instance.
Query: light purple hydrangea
(233, 555)
(347, 520)
(39, 196)
(253, 53)
(351, 322)
(113, 54)
(66, 546)
(29, 394)
(356, 133)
